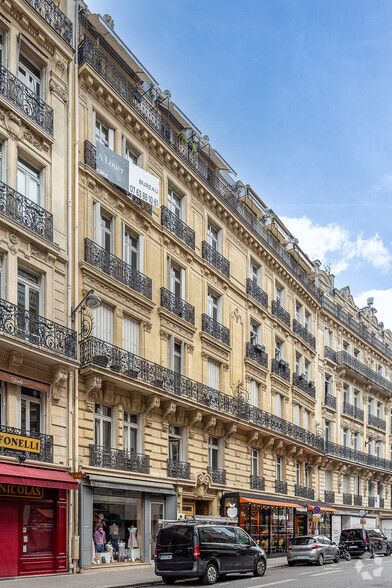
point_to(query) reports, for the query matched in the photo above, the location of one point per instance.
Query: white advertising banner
(143, 185)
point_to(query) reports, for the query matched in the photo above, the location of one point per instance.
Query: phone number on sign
(143, 196)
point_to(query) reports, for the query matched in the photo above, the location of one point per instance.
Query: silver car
(318, 550)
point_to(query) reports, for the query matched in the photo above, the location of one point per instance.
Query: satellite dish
(370, 301)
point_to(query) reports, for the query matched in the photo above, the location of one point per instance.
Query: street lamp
(90, 300)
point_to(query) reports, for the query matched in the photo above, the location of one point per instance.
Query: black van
(360, 541)
(191, 550)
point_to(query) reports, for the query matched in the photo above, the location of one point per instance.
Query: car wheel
(210, 575)
(291, 563)
(260, 568)
(320, 560)
(168, 579)
(337, 558)
(388, 551)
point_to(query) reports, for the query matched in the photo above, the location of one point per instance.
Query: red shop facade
(33, 508)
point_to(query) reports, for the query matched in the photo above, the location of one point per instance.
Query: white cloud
(335, 245)
(382, 302)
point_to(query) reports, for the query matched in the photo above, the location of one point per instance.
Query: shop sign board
(78, 475)
(143, 185)
(20, 491)
(20, 442)
(316, 513)
(112, 166)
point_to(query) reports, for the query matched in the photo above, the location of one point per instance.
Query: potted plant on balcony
(259, 347)
(182, 138)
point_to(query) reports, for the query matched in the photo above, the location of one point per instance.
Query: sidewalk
(106, 577)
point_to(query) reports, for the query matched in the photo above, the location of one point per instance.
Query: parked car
(360, 541)
(318, 550)
(190, 549)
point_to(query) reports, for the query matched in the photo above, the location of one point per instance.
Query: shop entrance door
(157, 512)
(9, 515)
(301, 527)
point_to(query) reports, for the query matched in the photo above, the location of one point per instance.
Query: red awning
(26, 476)
(269, 502)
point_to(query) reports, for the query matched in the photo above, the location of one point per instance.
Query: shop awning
(129, 484)
(323, 508)
(269, 502)
(19, 381)
(26, 476)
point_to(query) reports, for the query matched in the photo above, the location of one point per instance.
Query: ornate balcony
(177, 306)
(178, 469)
(304, 334)
(382, 502)
(344, 358)
(347, 498)
(119, 459)
(54, 17)
(257, 293)
(329, 496)
(281, 368)
(330, 354)
(90, 159)
(375, 421)
(104, 355)
(376, 502)
(25, 212)
(46, 453)
(37, 330)
(218, 476)
(355, 456)
(257, 353)
(215, 329)
(300, 381)
(215, 258)
(257, 483)
(177, 227)
(357, 500)
(280, 313)
(26, 100)
(330, 400)
(354, 411)
(280, 487)
(304, 492)
(117, 268)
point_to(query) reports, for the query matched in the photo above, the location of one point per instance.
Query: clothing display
(132, 539)
(99, 537)
(114, 537)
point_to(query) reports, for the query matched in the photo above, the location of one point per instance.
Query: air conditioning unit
(377, 501)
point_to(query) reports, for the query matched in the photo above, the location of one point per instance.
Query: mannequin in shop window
(114, 536)
(99, 535)
(132, 539)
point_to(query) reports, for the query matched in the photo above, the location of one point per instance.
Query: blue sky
(297, 96)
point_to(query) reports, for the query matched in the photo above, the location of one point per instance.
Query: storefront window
(271, 527)
(38, 525)
(322, 527)
(117, 527)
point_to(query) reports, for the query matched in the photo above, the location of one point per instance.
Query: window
(176, 280)
(213, 372)
(175, 439)
(131, 432)
(370, 446)
(327, 338)
(357, 354)
(103, 426)
(255, 273)
(29, 181)
(370, 406)
(379, 410)
(253, 393)
(357, 398)
(379, 449)
(2, 403)
(30, 410)
(243, 538)
(328, 481)
(279, 295)
(106, 232)
(279, 468)
(356, 441)
(298, 364)
(298, 313)
(103, 323)
(346, 437)
(3, 175)
(255, 462)
(129, 153)
(346, 483)
(279, 349)
(2, 48)
(346, 393)
(327, 430)
(214, 307)
(308, 476)
(278, 405)
(346, 347)
(131, 329)
(214, 239)
(255, 338)
(308, 322)
(29, 75)
(298, 473)
(297, 415)
(174, 203)
(328, 384)
(306, 419)
(29, 294)
(213, 452)
(175, 355)
(131, 249)
(308, 371)
(357, 485)
(104, 134)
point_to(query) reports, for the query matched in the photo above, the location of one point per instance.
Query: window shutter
(278, 405)
(97, 223)
(111, 139)
(131, 331)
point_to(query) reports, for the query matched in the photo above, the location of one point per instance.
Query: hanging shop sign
(112, 166)
(20, 491)
(78, 475)
(143, 185)
(20, 443)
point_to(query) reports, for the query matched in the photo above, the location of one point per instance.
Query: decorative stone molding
(214, 349)
(209, 425)
(169, 409)
(58, 90)
(152, 404)
(176, 326)
(229, 433)
(202, 484)
(194, 418)
(59, 377)
(253, 438)
(147, 326)
(93, 385)
(15, 361)
(190, 348)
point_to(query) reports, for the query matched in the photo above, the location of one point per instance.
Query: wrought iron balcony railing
(257, 353)
(330, 354)
(304, 492)
(117, 268)
(257, 483)
(256, 292)
(281, 313)
(178, 469)
(26, 100)
(105, 355)
(37, 330)
(26, 212)
(376, 502)
(119, 459)
(90, 159)
(177, 306)
(218, 476)
(46, 453)
(281, 368)
(353, 411)
(356, 326)
(357, 500)
(280, 487)
(215, 329)
(300, 381)
(382, 502)
(54, 17)
(344, 358)
(176, 226)
(330, 400)
(375, 421)
(347, 498)
(356, 456)
(329, 496)
(304, 334)
(89, 53)
(215, 258)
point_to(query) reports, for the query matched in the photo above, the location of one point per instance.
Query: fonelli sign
(112, 166)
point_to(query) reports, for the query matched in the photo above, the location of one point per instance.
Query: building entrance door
(157, 512)
(9, 514)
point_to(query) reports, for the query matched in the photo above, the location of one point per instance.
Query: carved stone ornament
(202, 484)
(93, 385)
(59, 378)
(58, 90)
(153, 403)
(169, 409)
(209, 425)
(194, 418)
(228, 435)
